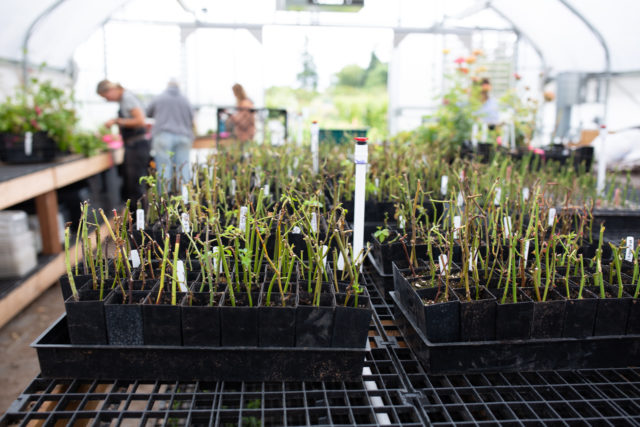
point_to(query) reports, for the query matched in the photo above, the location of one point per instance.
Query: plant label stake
(474, 135)
(185, 194)
(217, 266)
(506, 136)
(314, 222)
(628, 255)
(444, 182)
(496, 201)
(602, 160)
(28, 143)
(552, 216)
(325, 253)
(525, 194)
(295, 230)
(361, 158)
(184, 219)
(315, 137)
(340, 266)
(456, 226)
(401, 222)
(182, 282)
(265, 190)
(526, 250)
(377, 184)
(506, 222)
(135, 258)
(242, 224)
(443, 262)
(473, 260)
(139, 219)
(460, 200)
(233, 187)
(256, 179)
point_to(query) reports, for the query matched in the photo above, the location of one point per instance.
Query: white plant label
(314, 222)
(496, 201)
(525, 194)
(473, 260)
(340, 265)
(401, 222)
(243, 218)
(217, 265)
(233, 187)
(257, 180)
(210, 171)
(444, 182)
(377, 185)
(135, 258)
(443, 261)
(139, 219)
(295, 163)
(474, 134)
(185, 194)
(456, 226)
(460, 200)
(265, 190)
(182, 280)
(28, 143)
(325, 252)
(526, 250)
(296, 230)
(424, 159)
(552, 216)
(628, 255)
(195, 176)
(184, 219)
(506, 222)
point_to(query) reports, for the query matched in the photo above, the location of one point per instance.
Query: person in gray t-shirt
(172, 134)
(131, 122)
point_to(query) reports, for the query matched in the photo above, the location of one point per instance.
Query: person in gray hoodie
(172, 134)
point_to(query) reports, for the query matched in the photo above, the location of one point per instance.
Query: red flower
(38, 110)
(35, 124)
(445, 101)
(463, 70)
(517, 76)
(459, 60)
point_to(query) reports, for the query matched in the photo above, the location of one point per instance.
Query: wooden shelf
(61, 173)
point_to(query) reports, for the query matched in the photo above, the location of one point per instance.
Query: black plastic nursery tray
(517, 355)
(59, 359)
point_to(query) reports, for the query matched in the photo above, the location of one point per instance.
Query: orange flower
(471, 59)
(478, 52)
(463, 70)
(549, 96)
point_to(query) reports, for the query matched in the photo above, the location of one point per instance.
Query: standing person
(172, 133)
(131, 122)
(243, 121)
(489, 110)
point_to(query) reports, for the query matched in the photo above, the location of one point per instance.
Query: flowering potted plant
(35, 122)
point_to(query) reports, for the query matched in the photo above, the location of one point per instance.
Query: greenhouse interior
(320, 212)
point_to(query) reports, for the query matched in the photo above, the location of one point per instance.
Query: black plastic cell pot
(548, 315)
(79, 281)
(162, 324)
(579, 314)
(124, 318)
(633, 323)
(201, 319)
(439, 319)
(85, 318)
(351, 322)
(13, 148)
(612, 313)
(239, 324)
(277, 323)
(314, 324)
(477, 316)
(513, 319)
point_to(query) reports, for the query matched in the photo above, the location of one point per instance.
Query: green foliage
(375, 75)
(40, 107)
(308, 77)
(87, 143)
(351, 75)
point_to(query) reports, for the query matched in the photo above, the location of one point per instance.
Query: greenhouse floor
(394, 390)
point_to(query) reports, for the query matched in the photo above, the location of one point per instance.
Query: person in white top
(489, 113)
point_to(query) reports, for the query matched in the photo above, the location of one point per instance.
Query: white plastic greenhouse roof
(570, 35)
